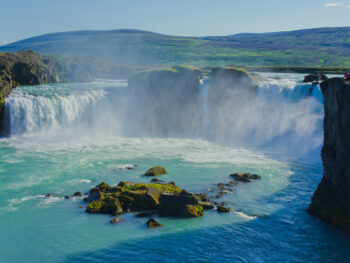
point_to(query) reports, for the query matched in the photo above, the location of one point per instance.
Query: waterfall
(203, 93)
(282, 113)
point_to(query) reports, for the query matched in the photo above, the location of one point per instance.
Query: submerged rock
(116, 220)
(245, 177)
(331, 201)
(152, 223)
(77, 194)
(155, 171)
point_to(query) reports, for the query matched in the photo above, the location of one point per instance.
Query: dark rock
(155, 171)
(175, 204)
(331, 201)
(49, 195)
(206, 205)
(67, 197)
(223, 209)
(318, 77)
(152, 223)
(116, 220)
(156, 180)
(77, 194)
(245, 177)
(203, 197)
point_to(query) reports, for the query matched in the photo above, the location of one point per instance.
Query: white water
(283, 111)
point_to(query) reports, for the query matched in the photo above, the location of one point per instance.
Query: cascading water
(283, 112)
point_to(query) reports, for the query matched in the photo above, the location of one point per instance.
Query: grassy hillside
(323, 47)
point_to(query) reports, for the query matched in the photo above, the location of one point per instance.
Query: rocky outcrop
(331, 201)
(167, 199)
(168, 99)
(317, 77)
(245, 177)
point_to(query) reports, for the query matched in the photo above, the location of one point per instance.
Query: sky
(22, 19)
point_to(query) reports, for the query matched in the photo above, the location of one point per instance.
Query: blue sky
(25, 18)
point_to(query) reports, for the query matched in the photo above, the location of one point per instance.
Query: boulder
(152, 223)
(175, 204)
(223, 209)
(77, 194)
(155, 171)
(108, 205)
(193, 211)
(245, 177)
(206, 205)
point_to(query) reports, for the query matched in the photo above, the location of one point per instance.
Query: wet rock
(193, 211)
(245, 177)
(223, 209)
(206, 205)
(155, 171)
(49, 195)
(152, 223)
(67, 197)
(203, 197)
(77, 194)
(108, 205)
(175, 204)
(156, 180)
(116, 220)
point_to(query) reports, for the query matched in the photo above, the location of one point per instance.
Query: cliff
(331, 201)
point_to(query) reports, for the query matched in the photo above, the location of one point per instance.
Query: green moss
(193, 211)
(155, 171)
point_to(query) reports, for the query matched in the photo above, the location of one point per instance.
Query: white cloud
(333, 4)
(4, 42)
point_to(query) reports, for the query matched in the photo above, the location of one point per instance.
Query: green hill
(321, 47)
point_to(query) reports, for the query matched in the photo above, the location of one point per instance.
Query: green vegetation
(321, 47)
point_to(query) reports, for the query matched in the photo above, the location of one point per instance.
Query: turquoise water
(60, 144)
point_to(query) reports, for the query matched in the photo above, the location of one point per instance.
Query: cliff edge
(331, 201)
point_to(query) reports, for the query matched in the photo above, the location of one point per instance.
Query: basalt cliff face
(331, 201)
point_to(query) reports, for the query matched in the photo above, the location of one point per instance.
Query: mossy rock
(207, 205)
(193, 211)
(106, 206)
(152, 223)
(170, 204)
(102, 187)
(155, 171)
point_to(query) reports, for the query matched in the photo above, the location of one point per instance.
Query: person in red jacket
(347, 76)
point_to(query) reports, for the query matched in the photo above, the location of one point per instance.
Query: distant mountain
(327, 47)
